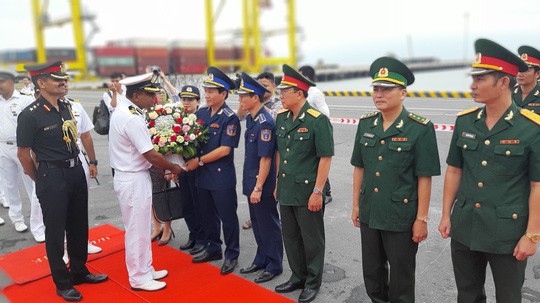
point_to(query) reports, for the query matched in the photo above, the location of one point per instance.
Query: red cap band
(498, 64)
(300, 84)
(53, 69)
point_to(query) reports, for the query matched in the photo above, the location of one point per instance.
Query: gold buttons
(285, 162)
(514, 216)
(480, 184)
(283, 175)
(377, 174)
(365, 144)
(405, 201)
(382, 142)
(301, 138)
(219, 169)
(507, 153)
(464, 146)
(379, 157)
(306, 181)
(287, 149)
(289, 136)
(477, 205)
(376, 190)
(399, 149)
(484, 163)
(487, 142)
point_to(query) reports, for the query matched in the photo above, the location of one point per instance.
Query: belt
(69, 163)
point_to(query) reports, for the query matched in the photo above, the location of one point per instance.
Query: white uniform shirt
(28, 90)
(84, 123)
(317, 101)
(9, 112)
(128, 138)
(108, 98)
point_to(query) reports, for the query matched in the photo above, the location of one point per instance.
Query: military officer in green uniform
(491, 200)
(394, 157)
(527, 94)
(305, 148)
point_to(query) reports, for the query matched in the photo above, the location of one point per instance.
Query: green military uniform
(531, 56)
(301, 143)
(491, 209)
(392, 161)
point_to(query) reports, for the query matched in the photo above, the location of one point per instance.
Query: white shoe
(5, 202)
(65, 257)
(2, 221)
(151, 285)
(160, 274)
(20, 226)
(39, 238)
(92, 249)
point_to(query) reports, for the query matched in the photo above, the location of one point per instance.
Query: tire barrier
(419, 94)
(350, 121)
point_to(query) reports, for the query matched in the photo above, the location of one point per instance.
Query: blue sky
(344, 32)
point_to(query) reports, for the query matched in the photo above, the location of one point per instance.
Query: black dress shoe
(250, 269)
(90, 279)
(228, 266)
(71, 294)
(206, 257)
(288, 287)
(197, 249)
(265, 277)
(189, 245)
(308, 295)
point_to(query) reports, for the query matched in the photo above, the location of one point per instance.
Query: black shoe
(90, 279)
(71, 294)
(308, 295)
(265, 277)
(228, 266)
(189, 245)
(288, 287)
(197, 249)
(250, 269)
(205, 257)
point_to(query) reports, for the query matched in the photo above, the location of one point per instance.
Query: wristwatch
(423, 219)
(201, 163)
(317, 191)
(535, 238)
(93, 162)
(257, 188)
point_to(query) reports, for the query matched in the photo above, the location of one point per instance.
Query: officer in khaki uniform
(527, 94)
(493, 182)
(305, 148)
(395, 155)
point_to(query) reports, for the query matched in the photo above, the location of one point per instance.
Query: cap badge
(62, 68)
(242, 82)
(211, 77)
(383, 72)
(478, 58)
(189, 89)
(525, 57)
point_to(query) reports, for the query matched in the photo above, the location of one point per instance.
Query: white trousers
(11, 174)
(134, 191)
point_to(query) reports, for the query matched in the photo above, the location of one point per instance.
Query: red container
(143, 62)
(152, 52)
(114, 51)
(106, 71)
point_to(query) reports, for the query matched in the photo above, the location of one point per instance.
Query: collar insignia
(480, 114)
(302, 116)
(509, 116)
(376, 121)
(537, 93)
(400, 124)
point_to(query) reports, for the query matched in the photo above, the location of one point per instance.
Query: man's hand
(355, 216)
(419, 231)
(192, 164)
(444, 227)
(525, 248)
(92, 168)
(315, 202)
(255, 197)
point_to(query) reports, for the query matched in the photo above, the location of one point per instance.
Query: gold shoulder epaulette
(468, 111)
(368, 115)
(313, 112)
(284, 110)
(418, 119)
(530, 115)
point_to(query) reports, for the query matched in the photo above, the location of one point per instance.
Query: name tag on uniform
(369, 135)
(302, 130)
(215, 125)
(468, 135)
(399, 139)
(50, 127)
(509, 142)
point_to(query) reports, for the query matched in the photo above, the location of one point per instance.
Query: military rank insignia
(266, 135)
(231, 130)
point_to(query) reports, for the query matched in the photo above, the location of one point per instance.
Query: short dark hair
(221, 89)
(308, 72)
(116, 75)
(266, 75)
(498, 75)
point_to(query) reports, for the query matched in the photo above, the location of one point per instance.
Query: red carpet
(31, 263)
(187, 282)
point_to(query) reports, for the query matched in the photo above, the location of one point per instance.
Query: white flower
(192, 117)
(152, 115)
(190, 122)
(156, 147)
(168, 110)
(158, 107)
(152, 131)
(185, 120)
(180, 139)
(192, 137)
(176, 115)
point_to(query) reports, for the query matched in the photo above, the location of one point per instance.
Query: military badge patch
(266, 135)
(231, 130)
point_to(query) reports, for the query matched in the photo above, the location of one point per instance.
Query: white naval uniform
(317, 100)
(84, 124)
(128, 140)
(11, 170)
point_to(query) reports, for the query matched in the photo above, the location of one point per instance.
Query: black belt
(62, 163)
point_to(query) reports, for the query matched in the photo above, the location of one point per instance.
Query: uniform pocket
(405, 204)
(304, 187)
(509, 160)
(401, 155)
(511, 222)
(302, 141)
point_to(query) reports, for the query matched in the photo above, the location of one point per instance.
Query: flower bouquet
(175, 133)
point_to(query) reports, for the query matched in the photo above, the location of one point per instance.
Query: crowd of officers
(491, 197)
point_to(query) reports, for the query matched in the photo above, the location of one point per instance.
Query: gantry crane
(252, 58)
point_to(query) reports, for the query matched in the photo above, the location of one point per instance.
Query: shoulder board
(531, 116)
(133, 110)
(468, 111)
(25, 94)
(262, 118)
(313, 112)
(368, 115)
(284, 110)
(418, 119)
(228, 112)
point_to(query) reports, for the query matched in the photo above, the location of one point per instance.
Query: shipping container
(115, 61)
(141, 42)
(114, 51)
(106, 71)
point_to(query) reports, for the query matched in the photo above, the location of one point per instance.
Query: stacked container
(188, 57)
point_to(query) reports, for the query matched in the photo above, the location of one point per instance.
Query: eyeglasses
(284, 92)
